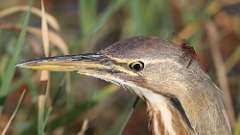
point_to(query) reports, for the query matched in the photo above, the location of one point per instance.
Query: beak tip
(20, 65)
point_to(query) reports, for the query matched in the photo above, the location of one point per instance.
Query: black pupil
(137, 67)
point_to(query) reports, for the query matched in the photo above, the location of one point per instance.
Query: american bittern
(181, 99)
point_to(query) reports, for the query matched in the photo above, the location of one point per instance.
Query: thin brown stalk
(186, 32)
(213, 38)
(45, 74)
(14, 113)
(84, 127)
(44, 31)
(191, 28)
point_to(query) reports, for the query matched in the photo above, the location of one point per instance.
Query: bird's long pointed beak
(66, 63)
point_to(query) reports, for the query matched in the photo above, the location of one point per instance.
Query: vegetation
(67, 103)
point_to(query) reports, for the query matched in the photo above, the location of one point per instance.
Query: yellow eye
(136, 66)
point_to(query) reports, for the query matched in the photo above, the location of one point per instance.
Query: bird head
(139, 62)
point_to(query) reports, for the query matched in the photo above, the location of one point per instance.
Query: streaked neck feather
(164, 119)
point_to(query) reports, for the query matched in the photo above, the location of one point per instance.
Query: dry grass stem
(14, 113)
(186, 33)
(213, 38)
(54, 38)
(41, 101)
(52, 21)
(84, 127)
(44, 30)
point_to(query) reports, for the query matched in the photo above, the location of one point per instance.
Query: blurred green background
(84, 105)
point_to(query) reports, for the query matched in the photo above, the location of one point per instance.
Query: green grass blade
(237, 127)
(87, 15)
(137, 16)
(76, 111)
(4, 90)
(116, 4)
(128, 115)
(122, 121)
(43, 115)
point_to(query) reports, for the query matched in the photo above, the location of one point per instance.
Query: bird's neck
(202, 113)
(163, 117)
(204, 107)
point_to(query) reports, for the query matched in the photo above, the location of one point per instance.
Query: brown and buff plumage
(181, 98)
(159, 129)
